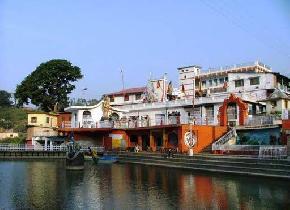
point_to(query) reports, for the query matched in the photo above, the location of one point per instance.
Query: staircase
(213, 163)
(228, 138)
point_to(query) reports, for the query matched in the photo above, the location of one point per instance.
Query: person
(136, 148)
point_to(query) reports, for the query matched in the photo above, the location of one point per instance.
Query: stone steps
(236, 159)
(273, 168)
(224, 162)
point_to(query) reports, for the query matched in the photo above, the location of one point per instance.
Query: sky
(141, 37)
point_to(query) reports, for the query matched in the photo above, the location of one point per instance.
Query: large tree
(48, 85)
(5, 99)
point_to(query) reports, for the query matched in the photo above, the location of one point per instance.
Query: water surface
(47, 185)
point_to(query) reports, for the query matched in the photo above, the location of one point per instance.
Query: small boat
(108, 159)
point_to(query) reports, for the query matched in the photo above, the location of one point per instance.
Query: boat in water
(75, 159)
(108, 159)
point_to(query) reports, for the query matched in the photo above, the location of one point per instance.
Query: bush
(21, 139)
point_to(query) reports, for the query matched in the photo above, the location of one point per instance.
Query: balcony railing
(260, 120)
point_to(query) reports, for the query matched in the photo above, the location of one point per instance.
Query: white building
(201, 94)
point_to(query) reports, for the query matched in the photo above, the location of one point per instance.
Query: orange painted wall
(286, 124)
(205, 134)
(65, 116)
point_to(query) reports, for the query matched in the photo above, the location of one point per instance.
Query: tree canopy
(48, 85)
(5, 99)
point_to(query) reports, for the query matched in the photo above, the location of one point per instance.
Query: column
(152, 144)
(140, 142)
(45, 144)
(51, 146)
(164, 138)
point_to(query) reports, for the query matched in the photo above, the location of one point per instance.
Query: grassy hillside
(15, 118)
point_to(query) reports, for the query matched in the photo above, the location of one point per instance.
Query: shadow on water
(46, 184)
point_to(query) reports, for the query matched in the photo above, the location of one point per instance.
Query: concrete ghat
(214, 164)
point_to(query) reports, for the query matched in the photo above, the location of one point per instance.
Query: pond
(46, 184)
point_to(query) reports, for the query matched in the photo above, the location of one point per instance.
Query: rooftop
(128, 91)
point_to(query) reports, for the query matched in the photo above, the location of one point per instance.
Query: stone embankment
(214, 163)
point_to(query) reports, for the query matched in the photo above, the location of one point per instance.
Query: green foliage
(5, 99)
(16, 140)
(49, 85)
(12, 117)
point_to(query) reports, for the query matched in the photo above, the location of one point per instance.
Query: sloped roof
(128, 91)
(276, 95)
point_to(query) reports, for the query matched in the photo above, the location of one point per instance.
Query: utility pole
(122, 75)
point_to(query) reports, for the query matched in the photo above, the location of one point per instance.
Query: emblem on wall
(189, 139)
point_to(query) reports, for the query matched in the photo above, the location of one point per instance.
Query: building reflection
(44, 184)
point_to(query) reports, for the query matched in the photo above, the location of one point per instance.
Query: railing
(26, 147)
(263, 152)
(236, 66)
(238, 148)
(273, 152)
(222, 142)
(139, 123)
(260, 121)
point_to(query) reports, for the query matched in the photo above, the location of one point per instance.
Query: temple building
(156, 116)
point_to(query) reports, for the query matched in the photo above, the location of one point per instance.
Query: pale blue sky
(140, 36)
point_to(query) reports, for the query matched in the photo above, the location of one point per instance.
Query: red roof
(128, 91)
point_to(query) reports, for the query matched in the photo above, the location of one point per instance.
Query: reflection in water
(46, 184)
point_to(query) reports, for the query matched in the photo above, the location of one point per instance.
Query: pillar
(152, 143)
(50, 144)
(45, 144)
(140, 141)
(165, 138)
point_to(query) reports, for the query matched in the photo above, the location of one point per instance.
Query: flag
(158, 84)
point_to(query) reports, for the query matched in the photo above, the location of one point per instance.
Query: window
(112, 99)
(47, 119)
(273, 104)
(215, 82)
(203, 84)
(209, 112)
(254, 81)
(33, 120)
(210, 83)
(184, 76)
(226, 79)
(239, 83)
(138, 96)
(222, 80)
(126, 98)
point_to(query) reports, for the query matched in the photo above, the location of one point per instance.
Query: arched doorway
(87, 119)
(234, 111)
(232, 114)
(114, 116)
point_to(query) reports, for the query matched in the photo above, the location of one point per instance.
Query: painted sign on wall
(117, 141)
